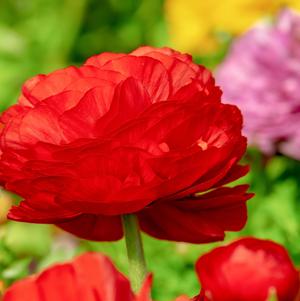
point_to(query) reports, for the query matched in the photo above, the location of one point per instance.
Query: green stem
(135, 252)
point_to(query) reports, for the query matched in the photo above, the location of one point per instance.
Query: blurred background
(38, 36)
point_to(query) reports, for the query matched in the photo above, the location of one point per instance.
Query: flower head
(261, 74)
(197, 26)
(142, 133)
(90, 277)
(246, 270)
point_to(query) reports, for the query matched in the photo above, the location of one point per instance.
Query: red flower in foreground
(247, 270)
(139, 133)
(90, 277)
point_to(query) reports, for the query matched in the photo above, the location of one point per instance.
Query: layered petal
(90, 277)
(198, 219)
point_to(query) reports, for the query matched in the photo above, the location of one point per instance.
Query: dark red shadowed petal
(236, 172)
(197, 219)
(94, 227)
(200, 297)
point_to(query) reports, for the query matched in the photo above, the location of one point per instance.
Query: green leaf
(28, 239)
(19, 269)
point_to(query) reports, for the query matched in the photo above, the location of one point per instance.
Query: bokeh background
(38, 36)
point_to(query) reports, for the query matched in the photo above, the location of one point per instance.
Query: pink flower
(261, 74)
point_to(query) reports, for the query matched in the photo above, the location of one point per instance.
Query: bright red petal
(100, 59)
(130, 100)
(90, 277)
(25, 290)
(150, 72)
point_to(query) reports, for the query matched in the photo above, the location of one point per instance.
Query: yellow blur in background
(201, 26)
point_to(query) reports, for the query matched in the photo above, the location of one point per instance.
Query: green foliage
(274, 211)
(120, 26)
(26, 239)
(21, 247)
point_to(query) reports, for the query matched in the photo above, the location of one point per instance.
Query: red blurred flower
(247, 270)
(90, 277)
(124, 133)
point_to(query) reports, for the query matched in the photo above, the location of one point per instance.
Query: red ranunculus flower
(247, 270)
(139, 133)
(90, 277)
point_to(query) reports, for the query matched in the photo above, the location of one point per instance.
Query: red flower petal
(145, 292)
(248, 269)
(41, 214)
(197, 220)
(149, 51)
(100, 59)
(94, 227)
(150, 72)
(90, 277)
(124, 106)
